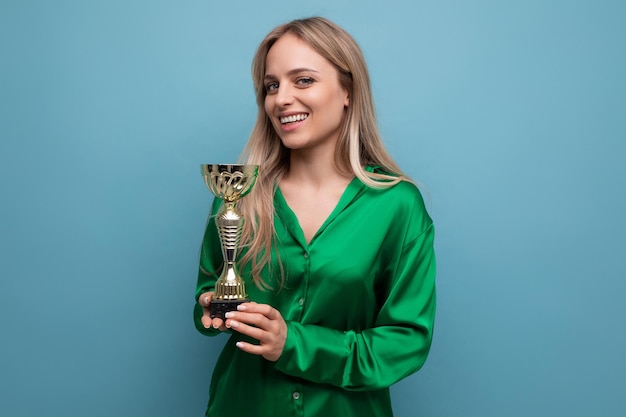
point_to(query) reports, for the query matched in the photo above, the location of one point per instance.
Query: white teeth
(293, 118)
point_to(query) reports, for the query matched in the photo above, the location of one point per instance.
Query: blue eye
(271, 87)
(305, 81)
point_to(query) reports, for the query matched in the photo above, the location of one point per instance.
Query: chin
(293, 144)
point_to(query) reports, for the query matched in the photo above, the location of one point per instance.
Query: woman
(339, 245)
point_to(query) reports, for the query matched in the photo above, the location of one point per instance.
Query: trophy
(229, 183)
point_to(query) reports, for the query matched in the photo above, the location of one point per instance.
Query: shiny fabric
(359, 303)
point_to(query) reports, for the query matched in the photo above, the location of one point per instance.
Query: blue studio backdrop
(511, 113)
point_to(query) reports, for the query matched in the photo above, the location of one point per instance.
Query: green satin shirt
(359, 303)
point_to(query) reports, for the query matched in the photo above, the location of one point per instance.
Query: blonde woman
(339, 247)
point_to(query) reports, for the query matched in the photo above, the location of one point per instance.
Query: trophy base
(218, 308)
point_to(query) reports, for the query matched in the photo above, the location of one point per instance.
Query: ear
(346, 101)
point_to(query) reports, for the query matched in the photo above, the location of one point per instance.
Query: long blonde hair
(359, 143)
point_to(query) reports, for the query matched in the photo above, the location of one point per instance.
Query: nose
(284, 95)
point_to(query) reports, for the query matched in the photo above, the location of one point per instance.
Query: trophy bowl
(229, 183)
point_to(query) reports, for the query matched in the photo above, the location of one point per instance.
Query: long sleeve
(396, 346)
(210, 267)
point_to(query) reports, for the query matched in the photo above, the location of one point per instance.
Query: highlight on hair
(359, 143)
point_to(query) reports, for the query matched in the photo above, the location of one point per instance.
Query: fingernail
(229, 315)
(241, 307)
(206, 300)
(234, 323)
(239, 344)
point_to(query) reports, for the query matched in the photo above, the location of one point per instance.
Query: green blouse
(359, 303)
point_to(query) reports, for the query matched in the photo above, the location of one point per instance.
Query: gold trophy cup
(229, 183)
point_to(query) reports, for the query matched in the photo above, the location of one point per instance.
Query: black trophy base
(218, 308)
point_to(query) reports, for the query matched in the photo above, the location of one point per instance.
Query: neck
(313, 168)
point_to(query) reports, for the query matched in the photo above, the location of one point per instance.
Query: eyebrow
(290, 72)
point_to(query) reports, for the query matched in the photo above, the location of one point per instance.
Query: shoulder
(402, 204)
(406, 191)
(402, 192)
(405, 195)
(411, 211)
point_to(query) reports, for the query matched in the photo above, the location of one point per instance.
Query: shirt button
(296, 395)
(301, 301)
(306, 255)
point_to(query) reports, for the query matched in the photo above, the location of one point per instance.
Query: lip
(289, 127)
(292, 113)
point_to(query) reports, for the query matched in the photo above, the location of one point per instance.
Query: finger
(206, 321)
(218, 323)
(252, 320)
(243, 328)
(250, 348)
(262, 350)
(264, 309)
(205, 299)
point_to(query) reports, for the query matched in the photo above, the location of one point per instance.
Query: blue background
(512, 114)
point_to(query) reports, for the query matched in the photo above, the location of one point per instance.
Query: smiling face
(304, 99)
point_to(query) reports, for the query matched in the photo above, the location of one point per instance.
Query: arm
(396, 346)
(210, 264)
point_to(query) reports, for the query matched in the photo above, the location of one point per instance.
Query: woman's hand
(263, 323)
(207, 322)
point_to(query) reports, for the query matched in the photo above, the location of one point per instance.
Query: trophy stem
(230, 290)
(229, 226)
